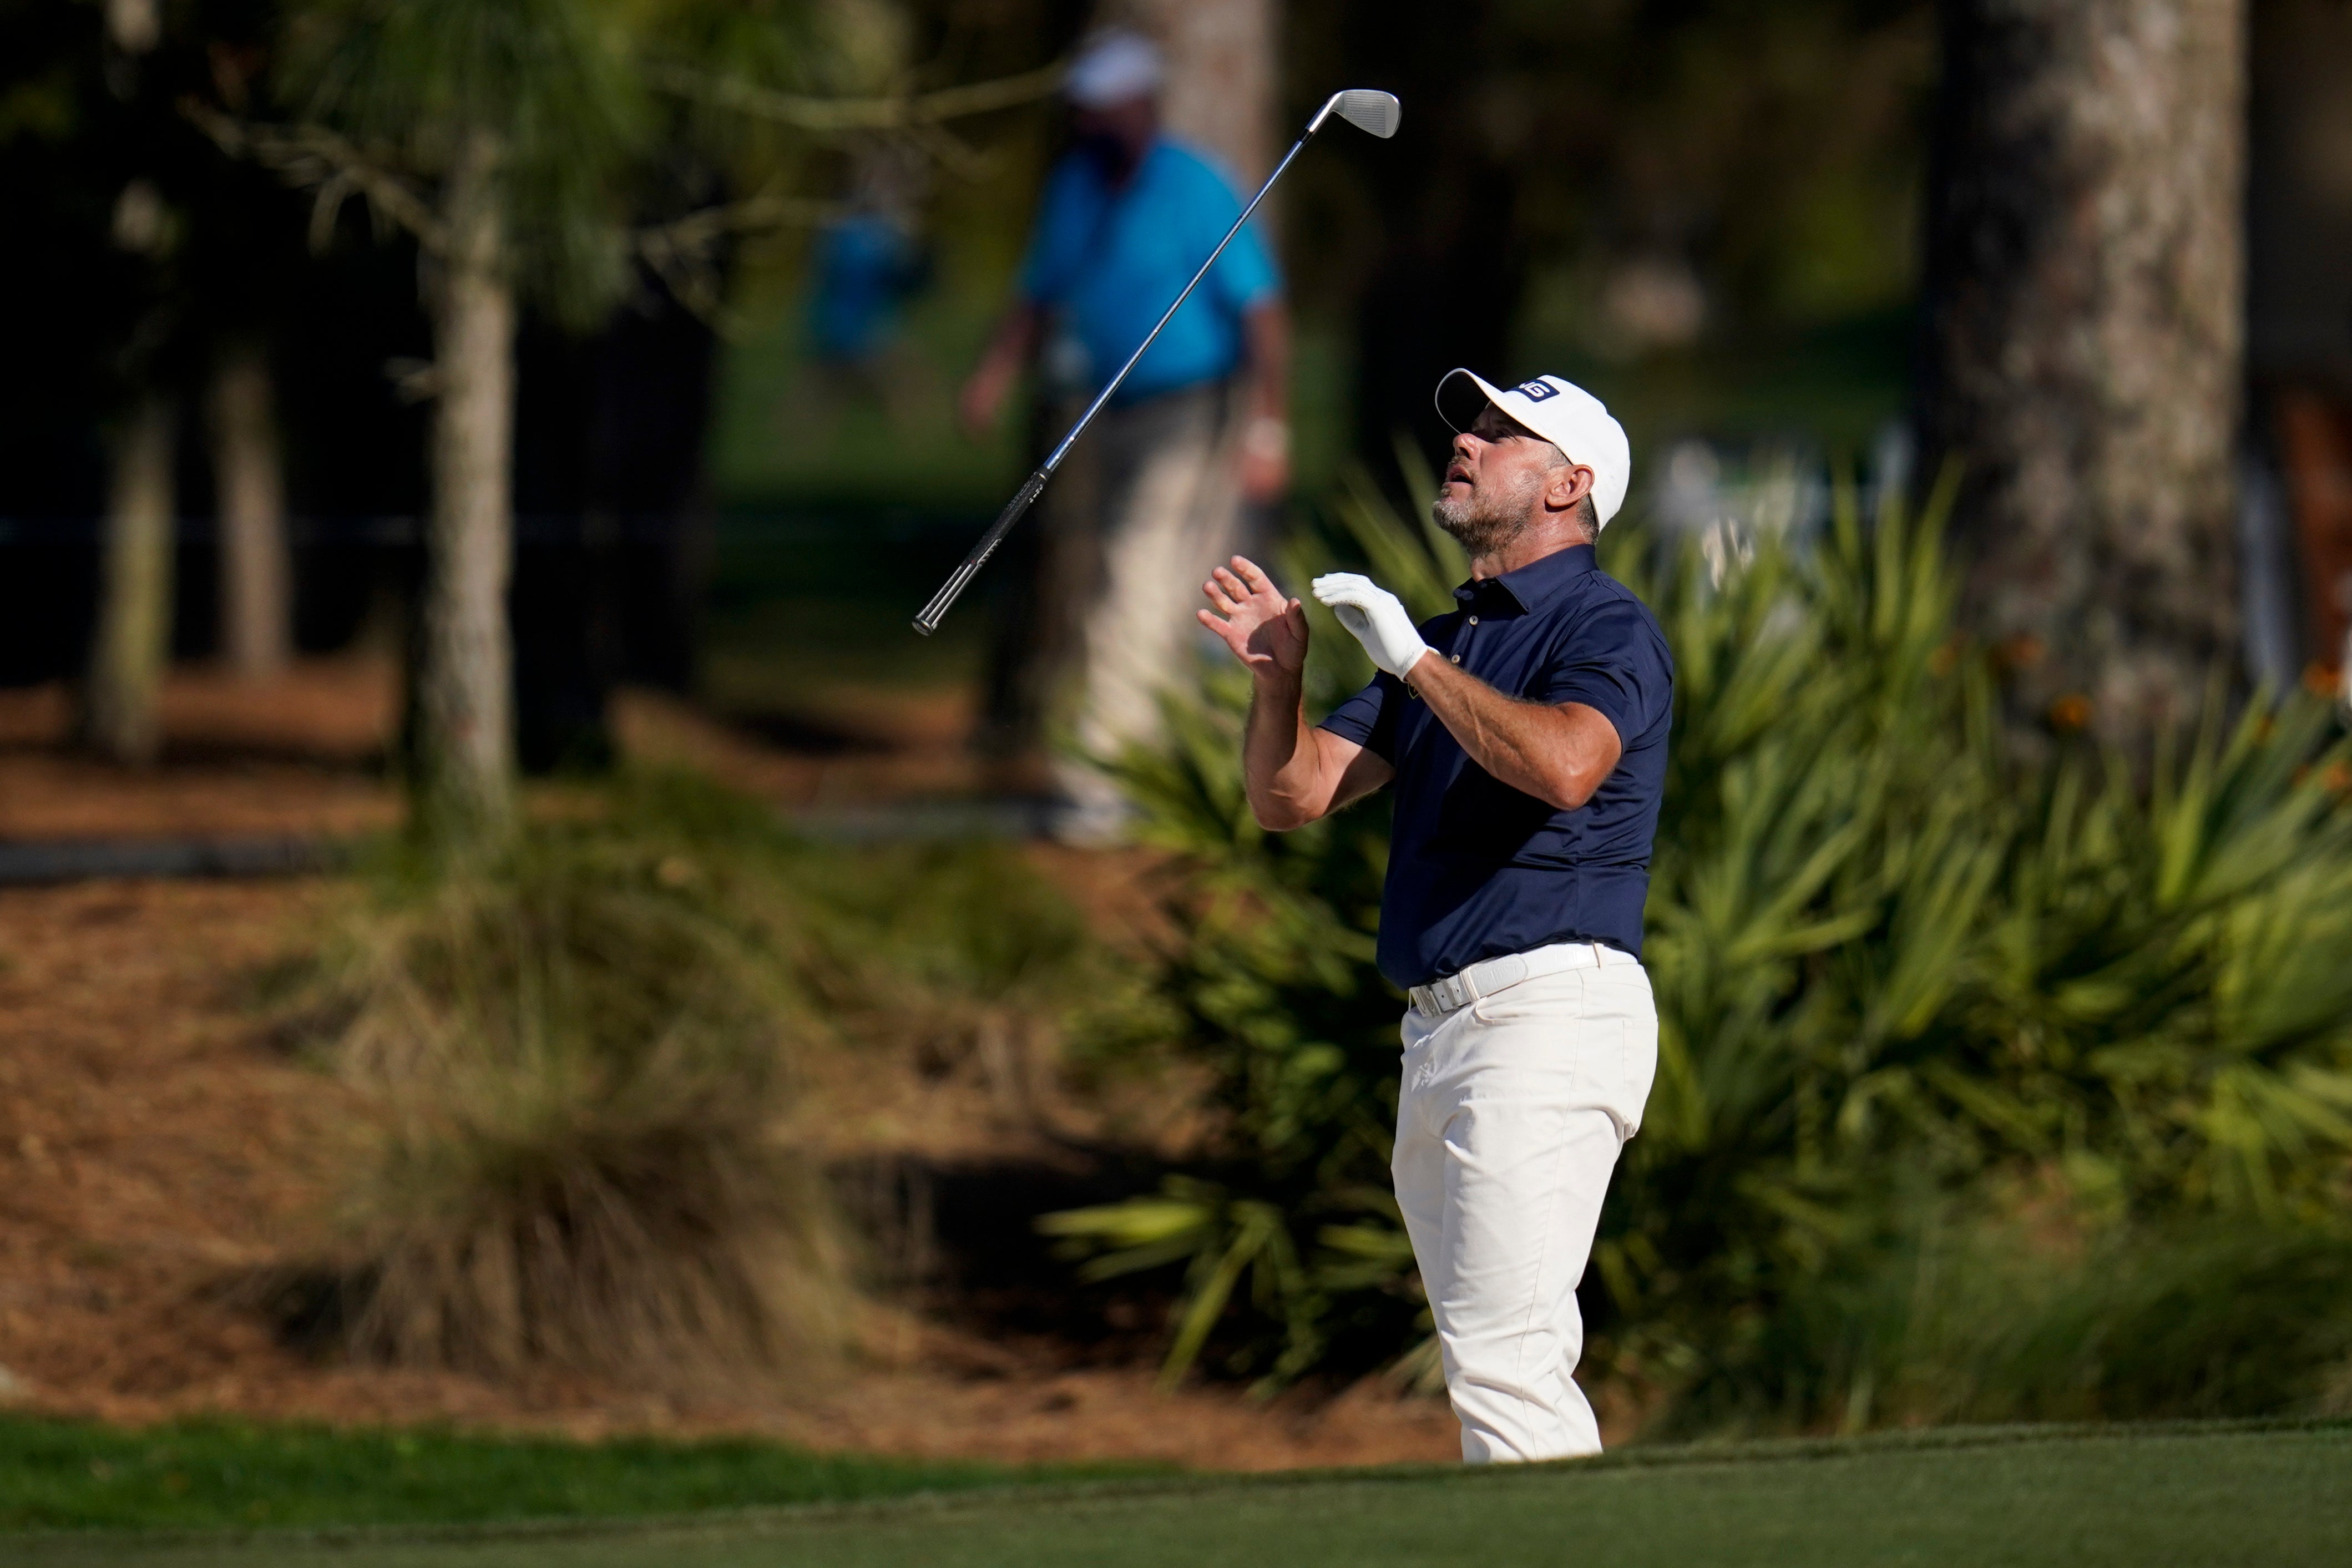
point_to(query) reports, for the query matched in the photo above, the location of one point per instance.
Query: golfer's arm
(1295, 772)
(1558, 754)
(1265, 338)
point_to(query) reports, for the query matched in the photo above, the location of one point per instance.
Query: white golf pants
(1510, 1117)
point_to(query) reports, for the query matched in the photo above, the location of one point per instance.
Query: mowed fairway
(2279, 1497)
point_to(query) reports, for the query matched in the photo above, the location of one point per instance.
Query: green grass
(2278, 1496)
(209, 1474)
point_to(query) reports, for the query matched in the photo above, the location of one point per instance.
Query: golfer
(1526, 735)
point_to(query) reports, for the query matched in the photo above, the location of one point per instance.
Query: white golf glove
(1375, 617)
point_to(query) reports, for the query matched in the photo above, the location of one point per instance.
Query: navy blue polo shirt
(1477, 868)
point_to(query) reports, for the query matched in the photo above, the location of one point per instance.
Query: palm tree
(2083, 345)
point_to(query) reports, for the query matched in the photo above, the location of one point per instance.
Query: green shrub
(961, 953)
(1982, 1309)
(1896, 969)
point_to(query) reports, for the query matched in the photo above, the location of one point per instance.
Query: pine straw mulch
(155, 1149)
(304, 755)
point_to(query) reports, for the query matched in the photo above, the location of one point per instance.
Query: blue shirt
(866, 266)
(1112, 261)
(1477, 868)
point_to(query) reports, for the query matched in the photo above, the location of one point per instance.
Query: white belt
(1453, 992)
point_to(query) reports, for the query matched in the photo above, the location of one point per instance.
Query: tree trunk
(2085, 341)
(133, 639)
(1222, 84)
(464, 780)
(256, 575)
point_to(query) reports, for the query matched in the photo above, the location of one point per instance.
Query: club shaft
(928, 621)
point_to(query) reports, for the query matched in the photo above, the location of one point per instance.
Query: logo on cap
(1537, 391)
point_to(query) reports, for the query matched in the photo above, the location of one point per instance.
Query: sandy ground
(157, 1150)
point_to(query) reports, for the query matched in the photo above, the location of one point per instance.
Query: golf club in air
(1365, 107)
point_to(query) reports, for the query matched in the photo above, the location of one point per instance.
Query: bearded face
(1489, 518)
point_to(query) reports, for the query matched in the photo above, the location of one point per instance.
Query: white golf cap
(1115, 66)
(1563, 414)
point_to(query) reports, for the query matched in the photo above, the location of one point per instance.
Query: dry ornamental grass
(579, 1063)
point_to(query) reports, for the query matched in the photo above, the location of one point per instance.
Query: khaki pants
(1160, 484)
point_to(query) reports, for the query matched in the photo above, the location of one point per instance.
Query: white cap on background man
(1563, 414)
(1115, 66)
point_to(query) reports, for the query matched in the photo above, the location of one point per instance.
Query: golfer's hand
(1265, 628)
(1375, 617)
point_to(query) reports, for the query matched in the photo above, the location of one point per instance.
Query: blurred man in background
(1161, 485)
(869, 263)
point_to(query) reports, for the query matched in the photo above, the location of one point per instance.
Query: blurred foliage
(1557, 161)
(602, 112)
(411, 81)
(1771, 153)
(1774, 149)
(2046, 1028)
(578, 1069)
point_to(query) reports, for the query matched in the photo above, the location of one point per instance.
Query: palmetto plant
(1896, 973)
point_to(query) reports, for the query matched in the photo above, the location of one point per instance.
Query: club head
(1366, 109)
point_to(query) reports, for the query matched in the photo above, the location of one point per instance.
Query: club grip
(950, 590)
